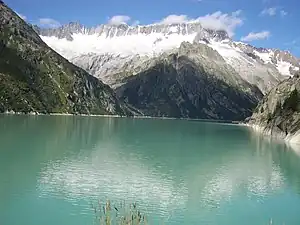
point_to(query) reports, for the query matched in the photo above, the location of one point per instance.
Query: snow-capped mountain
(74, 39)
(110, 49)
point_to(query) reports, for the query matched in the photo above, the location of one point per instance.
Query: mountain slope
(34, 78)
(278, 114)
(111, 49)
(191, 82)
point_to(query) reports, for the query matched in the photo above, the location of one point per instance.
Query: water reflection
(107, 171)
(284, 155)
(172, 168)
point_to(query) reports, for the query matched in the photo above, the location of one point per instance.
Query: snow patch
(123, 45)
(284, 68)
(173, 29)
(225, 50)
(265, 57)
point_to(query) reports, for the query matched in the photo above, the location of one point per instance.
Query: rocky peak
(207, 34)
(199, 50)
(65, 31)
(111, 31)
(262, 50)
(286, 56)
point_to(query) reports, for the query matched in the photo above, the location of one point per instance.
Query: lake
(53, 168)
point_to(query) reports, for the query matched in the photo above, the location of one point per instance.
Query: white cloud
(119, 19)
(21, 16)
(269, 11)
(256, 36)
(173, 19)
(283, 13)
(237, 13)
(215, 21)
(220, 21)
(48, 22)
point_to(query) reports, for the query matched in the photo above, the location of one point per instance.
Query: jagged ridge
(111, 31)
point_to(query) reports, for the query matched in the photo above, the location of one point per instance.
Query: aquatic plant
(121, 214)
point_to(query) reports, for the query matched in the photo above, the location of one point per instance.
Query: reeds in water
(121, 214)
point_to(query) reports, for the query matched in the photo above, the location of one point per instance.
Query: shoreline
(292, 140)
(119, 116)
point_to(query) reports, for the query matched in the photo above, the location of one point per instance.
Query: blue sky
(263, 23)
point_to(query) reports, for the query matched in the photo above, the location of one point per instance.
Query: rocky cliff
(34, 78)
(278, 114)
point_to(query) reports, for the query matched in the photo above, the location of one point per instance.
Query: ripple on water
(175, 171)
(108, 179)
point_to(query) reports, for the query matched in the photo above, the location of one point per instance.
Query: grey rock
(111, 69)
(253, 69)
(107, 66)
(187, 84)
(278, 114)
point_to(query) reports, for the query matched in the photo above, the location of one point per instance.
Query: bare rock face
(186, 84)
(278, 114)
(34, 78)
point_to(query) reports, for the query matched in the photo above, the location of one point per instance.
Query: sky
(262, 23)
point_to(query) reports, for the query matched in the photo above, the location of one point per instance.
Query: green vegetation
(34, 78)
(122, 214)
(292, 101)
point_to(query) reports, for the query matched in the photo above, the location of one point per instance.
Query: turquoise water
(179, 172)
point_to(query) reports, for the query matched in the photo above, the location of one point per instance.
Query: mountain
(177, 70)
(110, 49)
(34, 78)
(278, 114)
(191, 82)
